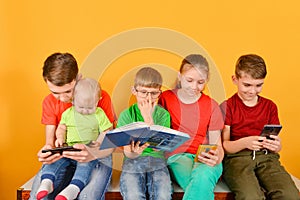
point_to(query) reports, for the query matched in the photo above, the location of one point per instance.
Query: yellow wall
(31, 30)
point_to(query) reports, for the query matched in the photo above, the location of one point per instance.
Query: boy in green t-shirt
(145, 170)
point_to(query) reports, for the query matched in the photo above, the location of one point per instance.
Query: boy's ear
(234, 79)
(179, 76)
(133, 91)
(78, 77)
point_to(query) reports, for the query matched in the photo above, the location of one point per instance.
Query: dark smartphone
(270, 129)
(60, 149)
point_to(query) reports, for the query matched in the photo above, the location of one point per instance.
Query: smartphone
(60, 149)
(204, 148)
(270, 129)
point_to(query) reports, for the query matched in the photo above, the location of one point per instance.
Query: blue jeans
(144, 177)
(95, 189)
(81, 175)
(198, 180)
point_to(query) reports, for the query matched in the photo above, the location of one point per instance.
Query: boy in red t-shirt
(251, 166)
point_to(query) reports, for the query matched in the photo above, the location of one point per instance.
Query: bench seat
(221, 191)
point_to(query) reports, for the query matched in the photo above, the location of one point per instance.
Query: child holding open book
(145, 171)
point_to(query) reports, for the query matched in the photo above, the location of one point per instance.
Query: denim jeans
(81, 175)
(144, 177)
(198, 180)
(95, 189)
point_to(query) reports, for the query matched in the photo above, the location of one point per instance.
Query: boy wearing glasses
(145, 172)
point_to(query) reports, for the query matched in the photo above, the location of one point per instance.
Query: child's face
(85, 107)
(63, 93)
(248, 87)
(193, 81)
(146, 93)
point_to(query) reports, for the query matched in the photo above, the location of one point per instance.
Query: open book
(159, 137)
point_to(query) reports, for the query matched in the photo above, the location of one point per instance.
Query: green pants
(255, 179)
(198, 180)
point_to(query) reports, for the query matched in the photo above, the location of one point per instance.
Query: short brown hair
(60, 69)
(148, 77)
(252, 65)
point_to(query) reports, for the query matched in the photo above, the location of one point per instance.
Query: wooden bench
(221, 191)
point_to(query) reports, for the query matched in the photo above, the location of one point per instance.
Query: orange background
(32, 30)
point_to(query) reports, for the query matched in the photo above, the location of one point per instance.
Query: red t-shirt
(53, 108)
(194, 119)
(247, 121)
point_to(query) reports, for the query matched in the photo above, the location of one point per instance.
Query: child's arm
(134, 150)
(50, 135)
(94, 146)
(250, 142)
(60, 135)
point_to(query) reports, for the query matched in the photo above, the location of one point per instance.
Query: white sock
(45, 188)
(70, 192)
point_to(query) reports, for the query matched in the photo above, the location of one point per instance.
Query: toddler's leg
(70, 192)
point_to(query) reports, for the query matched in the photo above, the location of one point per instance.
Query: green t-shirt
(84, 128)
(133, 114)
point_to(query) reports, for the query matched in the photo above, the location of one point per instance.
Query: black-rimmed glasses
(144, 93)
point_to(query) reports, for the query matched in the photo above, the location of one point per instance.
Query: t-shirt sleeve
(48, 115)
(216, 120)
(104, 122)
(274, 119)
(106, 105)
(124, 118)
(226, 112)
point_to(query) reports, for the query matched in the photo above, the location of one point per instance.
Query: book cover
(159, 137)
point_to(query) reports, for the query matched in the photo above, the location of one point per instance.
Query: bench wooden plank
(221, 191)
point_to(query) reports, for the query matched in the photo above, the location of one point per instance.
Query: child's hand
(210, 158)
(253, 142)
(59, 142)
(147, 107)
(136, 148)
(48, 158)
(273, 144)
